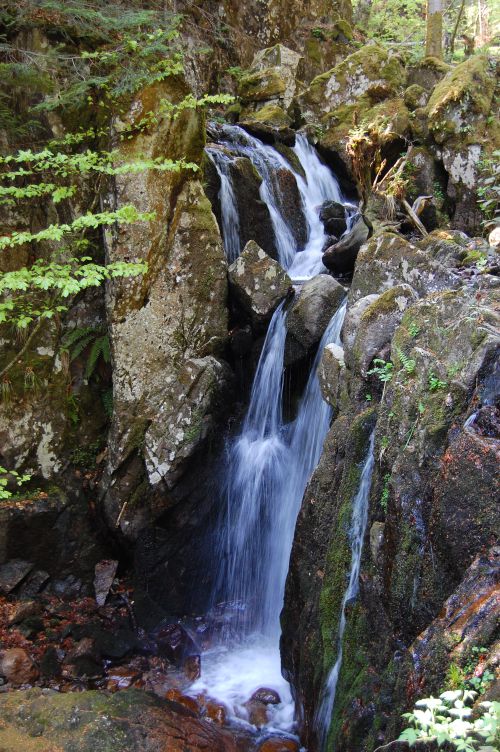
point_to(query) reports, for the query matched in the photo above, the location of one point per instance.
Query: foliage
(489, 189)
(434, 382)
(384, 496)
(91, 339)
(407, 363)
(15, 477)
(448, 720)
(383, 369)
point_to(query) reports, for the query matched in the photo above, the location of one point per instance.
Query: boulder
(341, 257)
(333, 216)
(388, 259)
(331, 373)
(415, 96)
(258, 284)
(186, 418)
(316, 302)
(377, 324)
(271, 78)
(267, 696)
(17, 667)
(279, 744)
(427, 73)
(12, 573)
(92, 721)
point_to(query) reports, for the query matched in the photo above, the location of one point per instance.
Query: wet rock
(105, 571)
(331, 373)
(257, 713)
(89, 721)
(122, 677)
(266, 695)
(12, 573)
(279, 744)
(341, 257)
(258, 284)
(50, 666)
(216, 713)
(175, 643)
(313, 307)
(175, 695)
(83, 660)
(332, 214)
(17, 667)
(192, 667)
(376, 540)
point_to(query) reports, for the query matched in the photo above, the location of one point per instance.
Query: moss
(415, 96)
(464, 92)
(261, 85)
(270, 114)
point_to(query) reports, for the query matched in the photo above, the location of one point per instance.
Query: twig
(415, 220)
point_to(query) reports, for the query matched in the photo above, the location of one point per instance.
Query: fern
(408, 363)
(100, 348)
(80, 338)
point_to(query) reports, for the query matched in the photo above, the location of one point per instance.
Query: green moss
(270, 114)
(261, 85)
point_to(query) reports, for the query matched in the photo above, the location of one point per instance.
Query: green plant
(448, 720)
(318, 33)
(384, 496)
(96, 341)
(18, 478)
(408, 363)
(434, 382)
(455, 677)
(413, 329)
(382, 369)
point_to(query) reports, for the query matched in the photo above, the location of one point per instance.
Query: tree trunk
(456, 27)
(434, 40)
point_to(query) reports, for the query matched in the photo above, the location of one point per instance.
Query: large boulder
(161, 322)
(341, 257)
(318, 299)
(258, 284)
(99, 722)
(272, 78)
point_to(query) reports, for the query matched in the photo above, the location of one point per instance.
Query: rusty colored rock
(175, 695)
(17, 667)
(257, 713)
(216, 712)
(278, 744)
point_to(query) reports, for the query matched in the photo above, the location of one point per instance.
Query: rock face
(426, 594)
(96, 722)
(165, 328)
(258, 284)
(316, 302)
(341, 256)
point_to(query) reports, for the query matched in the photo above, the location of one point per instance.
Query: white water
(359, 519)
(229, 209)
(318, 185)
(269, 465)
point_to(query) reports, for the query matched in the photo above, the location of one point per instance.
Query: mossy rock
(428, 72)
(415, 96)
(262, 85)
(460, 103)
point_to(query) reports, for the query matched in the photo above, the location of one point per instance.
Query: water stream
(270, 461)
(357, 531)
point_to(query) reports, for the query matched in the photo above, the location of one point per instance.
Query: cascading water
(359, 519)
(269, 465)
(318, 185)
(229, 210)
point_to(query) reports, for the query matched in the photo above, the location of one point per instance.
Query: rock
(388, 259)
(266, 695)
(175, 643)
(122, 677)
(50, 667)
(25, 610)
(33, 583)
(216, 712)
(331, 372)
(271, 78)
(258, 284)
(186, 418)
(341, 257)
(376, 326)
(17, 667)
(93, 721)
(494, 237)
(352, 318)
(175, 695)
(427, 73)
(68, 589)
(257, 713)
(12, 573)
(415, 96)
(313, 307)
(83, 660)
(268, 122)
(105, 571)
(279, 744)
(332, 214)
(370, 71)
(192, 667)
(376, 541)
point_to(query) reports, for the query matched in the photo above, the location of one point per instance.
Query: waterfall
(318, 185)
(268, 467)
(229, 210)
(359, 520)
